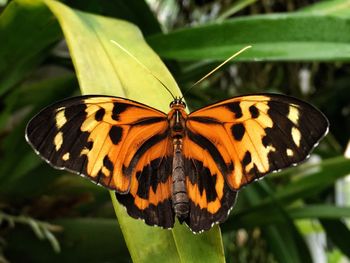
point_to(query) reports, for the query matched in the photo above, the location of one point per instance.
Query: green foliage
(294, 36)
(36, 70)
(42, 230)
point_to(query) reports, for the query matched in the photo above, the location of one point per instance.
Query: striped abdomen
(179, 193)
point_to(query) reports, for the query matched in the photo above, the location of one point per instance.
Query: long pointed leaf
(104, 68)
(292, 36)
(324, 176)
(339, 233)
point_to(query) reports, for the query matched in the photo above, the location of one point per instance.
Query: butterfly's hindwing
(210, 197)
(250, 136)
(151, 179)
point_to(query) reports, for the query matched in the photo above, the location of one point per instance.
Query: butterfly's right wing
(234, 142)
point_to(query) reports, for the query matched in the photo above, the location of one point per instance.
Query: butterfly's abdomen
(177, 119)
(179, 193)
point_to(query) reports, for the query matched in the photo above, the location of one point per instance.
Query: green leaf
(284, 239)
(319, 211)
(281, 244)
(305, 186)
(267, 212)
(327, 172)
(234, 8)
(104, 68)
(134, 11)
(286, 242)
(82, 240)
(339, 233)
(333, 7)
(26, 31)
(261, 216)
(292, 36)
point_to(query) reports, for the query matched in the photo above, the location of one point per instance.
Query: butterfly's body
(188, 166)
(177, 123)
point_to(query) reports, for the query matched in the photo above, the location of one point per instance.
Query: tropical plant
(49, 50)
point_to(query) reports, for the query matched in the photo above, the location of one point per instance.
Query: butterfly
(176, 165)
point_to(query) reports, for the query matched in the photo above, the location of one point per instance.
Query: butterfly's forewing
(231, 143)
(118, 143)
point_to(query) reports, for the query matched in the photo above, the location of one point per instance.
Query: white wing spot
(65, 157)
(296, 136)
(270, 148)
(58, 140)
(60, 118)
(289, 152)
(293, 114)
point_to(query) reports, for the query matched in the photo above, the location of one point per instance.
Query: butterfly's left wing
(118, 143)
(231, 143)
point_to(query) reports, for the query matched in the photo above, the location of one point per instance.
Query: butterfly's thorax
(177, 121)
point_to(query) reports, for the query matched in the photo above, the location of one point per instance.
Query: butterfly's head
(178, 103)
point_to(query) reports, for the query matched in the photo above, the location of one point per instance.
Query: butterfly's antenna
(142, 65)
(215, 69)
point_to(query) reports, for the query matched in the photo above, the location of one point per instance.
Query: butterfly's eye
(172, 104)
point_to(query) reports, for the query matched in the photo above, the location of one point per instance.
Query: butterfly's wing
(118, 143)
(149, 197)
(210, 198)
(231, 143)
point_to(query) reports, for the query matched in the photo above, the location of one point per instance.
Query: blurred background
(297, 215)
